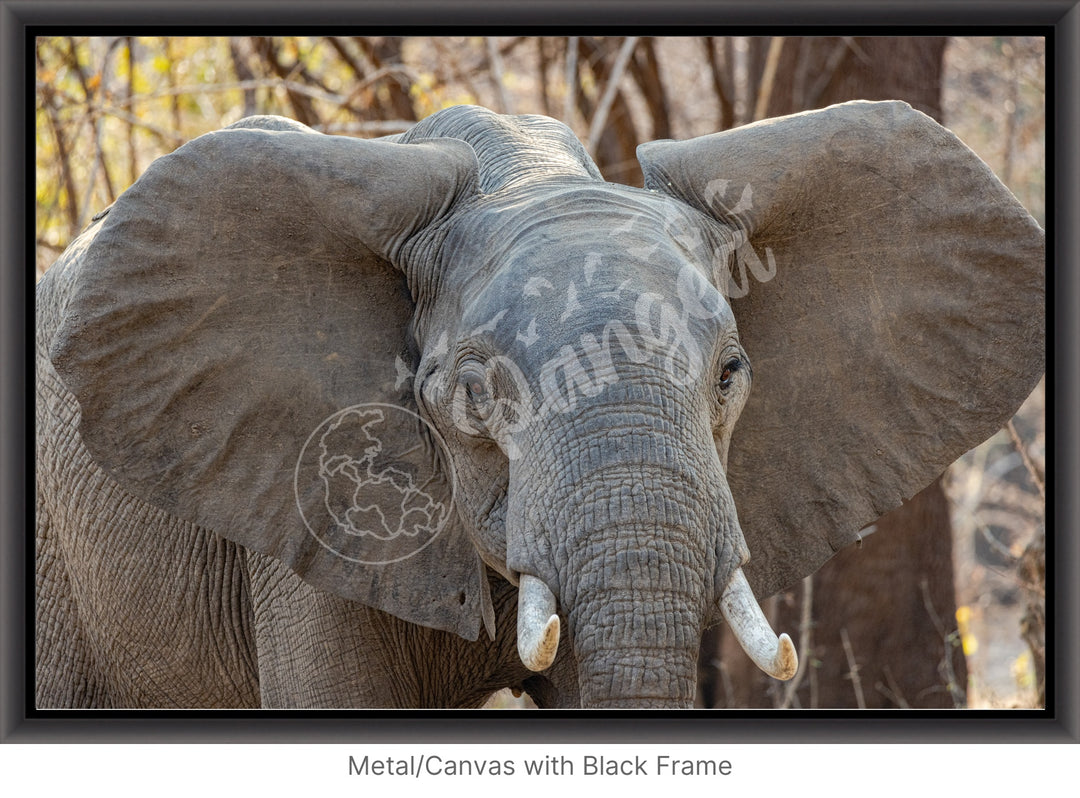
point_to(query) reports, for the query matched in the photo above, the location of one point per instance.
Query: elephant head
(394, 364)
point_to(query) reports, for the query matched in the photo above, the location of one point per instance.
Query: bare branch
(599, 120)
(722, 84)
(645, 69)
(100, 164)
(893, 691)
(836, 57)
(133, 161)
(542, 70)
(48, 102)
(239, 48)
(949, 638)
(1029, 464)
(170, 77)
(171, 136)
(498, 77)
(806, 624)
(571, 78)
(768, 77)
(853, 668)
(300, 100)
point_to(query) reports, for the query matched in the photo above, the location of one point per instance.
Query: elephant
(400, 422)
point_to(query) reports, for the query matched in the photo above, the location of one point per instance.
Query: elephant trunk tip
(538, 625)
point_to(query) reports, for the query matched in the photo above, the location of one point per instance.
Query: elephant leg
(137, 610)
(66, 675)
(319, 650)
(135, 607)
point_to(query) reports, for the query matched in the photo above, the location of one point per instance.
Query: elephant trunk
(636, 627)
(635, 646)
(629, 529)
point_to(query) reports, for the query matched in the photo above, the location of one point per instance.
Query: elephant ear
(893, 313)
(235, 302)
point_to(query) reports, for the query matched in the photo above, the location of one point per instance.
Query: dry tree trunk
(722, 70)
(645, 69)
(239, 50)
(382, 51)
(303, 109)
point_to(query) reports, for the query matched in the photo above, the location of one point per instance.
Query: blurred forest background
(107, 106)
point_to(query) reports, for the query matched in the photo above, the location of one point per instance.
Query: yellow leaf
(963, 615)
(1022, 670)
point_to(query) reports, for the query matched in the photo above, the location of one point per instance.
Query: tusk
(538, 625)
(775, 656)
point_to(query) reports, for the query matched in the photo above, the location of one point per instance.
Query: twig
(893, 691)
(509, 47)
(134, 121)
(853, 668)
(246, 85)
(395, 71)
(1036, 475)
(57, 248)
(945, 668)
(449, 64)
(924, 587)
(599, 120)
(995, 544)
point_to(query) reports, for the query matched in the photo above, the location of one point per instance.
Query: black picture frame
(21, 21)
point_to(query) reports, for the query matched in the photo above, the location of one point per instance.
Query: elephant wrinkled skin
(311, 408)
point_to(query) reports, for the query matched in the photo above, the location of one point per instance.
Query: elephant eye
(474, 380)
(728, 373)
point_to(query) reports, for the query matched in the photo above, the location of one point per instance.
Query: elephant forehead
(532, 272)
(589, 235)
(551, 224)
